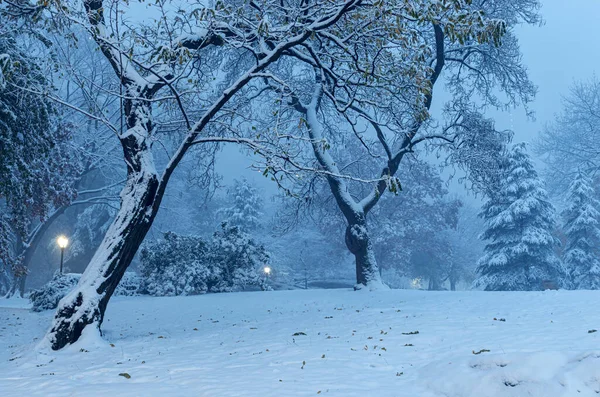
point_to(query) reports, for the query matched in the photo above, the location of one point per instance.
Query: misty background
(557, 53)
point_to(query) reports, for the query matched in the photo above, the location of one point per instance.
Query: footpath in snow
(319, 342)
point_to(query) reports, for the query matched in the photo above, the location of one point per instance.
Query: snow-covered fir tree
(246, 205)
(582, 230)
(519, 220)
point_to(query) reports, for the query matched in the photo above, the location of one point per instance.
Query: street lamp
(62, 242)
(267, 270)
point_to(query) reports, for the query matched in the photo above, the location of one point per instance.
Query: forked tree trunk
(357, 234)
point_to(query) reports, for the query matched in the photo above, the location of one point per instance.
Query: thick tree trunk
(140, 200)
(86, 304)
(434, 282)
(360, 245)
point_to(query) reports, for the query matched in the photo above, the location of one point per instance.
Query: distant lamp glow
(416, 283)
(267, 270)
(62, 242)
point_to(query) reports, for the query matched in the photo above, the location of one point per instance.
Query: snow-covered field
(320, 342)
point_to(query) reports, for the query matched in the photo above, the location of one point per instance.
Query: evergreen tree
(245, 211)
(37, 169)
(582, 230)
(519, 219)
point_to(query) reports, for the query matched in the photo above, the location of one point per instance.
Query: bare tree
(569, 145)
(176, 57)
(377, 88)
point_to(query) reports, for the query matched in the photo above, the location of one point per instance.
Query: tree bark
(360, 245)
(14, 288)
(357, 233)
(140, 200)
(434, 283)
(86, 304)
(17, 286)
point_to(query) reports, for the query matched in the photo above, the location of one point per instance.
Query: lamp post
(265, 282)
(62, 242)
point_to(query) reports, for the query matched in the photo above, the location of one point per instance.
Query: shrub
(188, 265)
(175, 266)
(129, 285)
(48, 296)
(238, 259)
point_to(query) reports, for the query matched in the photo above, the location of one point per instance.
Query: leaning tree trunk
(86, 304)
(140, 200)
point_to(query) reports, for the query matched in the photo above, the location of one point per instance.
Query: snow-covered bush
(48, 296)
(188, 265)
(237, 258)
(175, 265)
(129, 285)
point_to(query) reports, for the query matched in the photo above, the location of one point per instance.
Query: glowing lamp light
(267, 270)
(62, 242)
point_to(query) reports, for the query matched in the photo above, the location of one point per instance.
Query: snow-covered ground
(320, 342)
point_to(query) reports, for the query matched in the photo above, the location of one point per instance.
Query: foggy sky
(558, 53)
